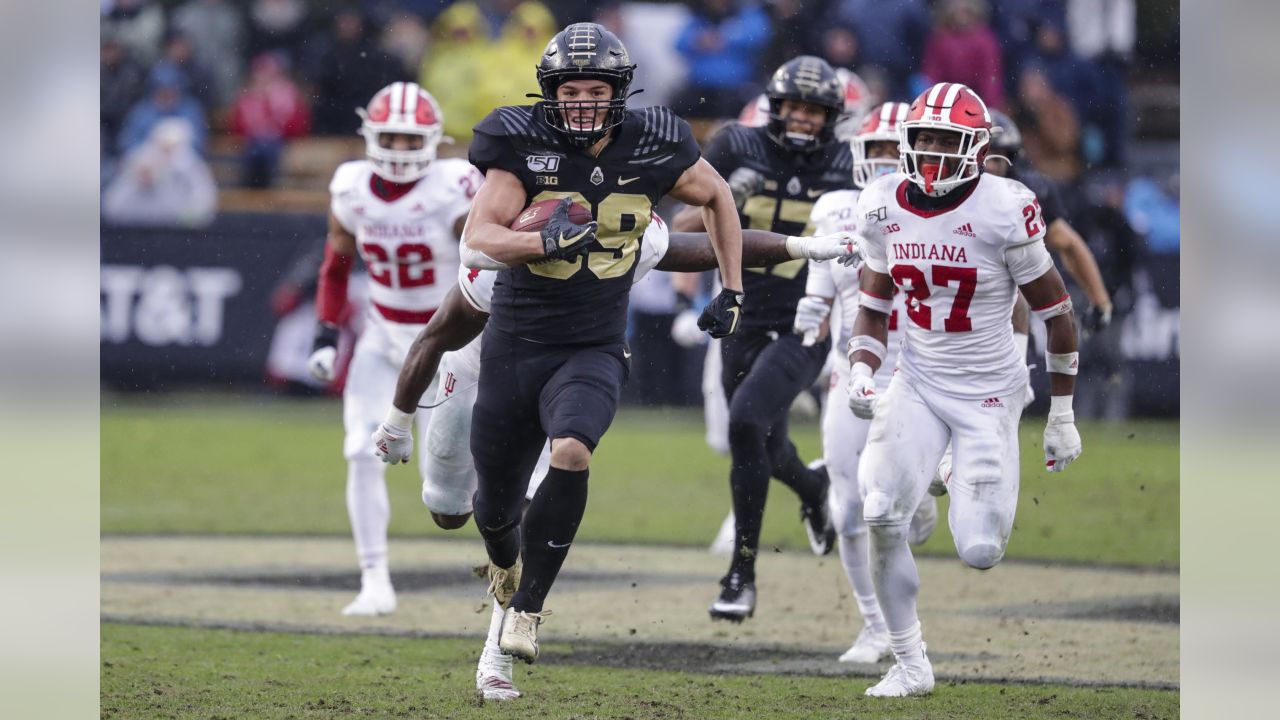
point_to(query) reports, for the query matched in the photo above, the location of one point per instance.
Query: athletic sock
(896, 579)
(550, 525)
(368, 510)
(855, 556)
(908, 645)
(502, 543)
(491, 651)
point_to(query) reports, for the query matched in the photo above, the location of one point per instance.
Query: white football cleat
(723, 544)
(923, 521)
(503, 582)
(871, 646)
(376, 597)
(905, 680)
(493, 677)
(520, 633)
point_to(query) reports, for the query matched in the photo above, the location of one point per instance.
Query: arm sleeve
(1028, 261)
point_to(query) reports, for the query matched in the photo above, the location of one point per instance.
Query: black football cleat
(737, 600)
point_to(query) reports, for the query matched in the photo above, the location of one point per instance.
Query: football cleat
(503, 582)
(938, 487)
(817, 518)
(519, 636)
(376, 597)
(737, 600)
(493, 677)
(871, 646)
(923, 521)
(905, 681)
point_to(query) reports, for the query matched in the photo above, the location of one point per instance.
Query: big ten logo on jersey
(408, 265)
(621, 218)
(165, 305)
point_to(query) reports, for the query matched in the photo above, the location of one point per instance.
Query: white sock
(369, 510)
(491, 651)
(855, 556)
(896, 579)
(908, 645)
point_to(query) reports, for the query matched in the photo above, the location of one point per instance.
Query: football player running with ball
(960, 245)
(554, 356)
(403, 211)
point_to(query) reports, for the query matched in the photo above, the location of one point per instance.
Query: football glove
(743, 183)
(810, 312)
(1061, 441)
(721, 316)
(392, 443)
(324, 353)
(562, 239)
(843, 246)
(862, 391)
(1096, 319)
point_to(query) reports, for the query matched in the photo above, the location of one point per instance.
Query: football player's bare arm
(703, 187)
(689, 219)
(872, 320)
(487, 231)
(1078, 261)
(692, 252)
(1048, 298)
(455, 324)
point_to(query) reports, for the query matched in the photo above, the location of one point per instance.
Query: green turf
(239, 465)
(154, 672)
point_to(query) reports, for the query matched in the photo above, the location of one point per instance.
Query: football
(534, 217)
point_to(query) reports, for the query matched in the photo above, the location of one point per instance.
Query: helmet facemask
(561, 114)
(799, 141)
(938, 173)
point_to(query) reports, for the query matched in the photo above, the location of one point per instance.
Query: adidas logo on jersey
(966, 230)
(992, 403)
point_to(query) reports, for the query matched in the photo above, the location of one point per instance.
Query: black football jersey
(583, 301)
(793, 183)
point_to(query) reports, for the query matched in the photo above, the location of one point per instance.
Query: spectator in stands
(346, 69)
(269, 111)
(795, 24)
(179, 51)
(454, 69)
(122, 81)
(962, 48)
(166, 97)
(216, 31)
(524, 37)
(405, 39)
(1016, 23)
(277, 26)
(137, 24)
(163, 181)
(1070, 76)
(889, 35)
(1050, 127)
(1102, 32)
(721, 47)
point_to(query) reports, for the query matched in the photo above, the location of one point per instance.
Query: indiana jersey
(408, 244)
(835, 212)
(582, 301)
(477, 285)
(793, 182)
(959, 269)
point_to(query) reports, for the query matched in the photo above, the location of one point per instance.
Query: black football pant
(762, 374)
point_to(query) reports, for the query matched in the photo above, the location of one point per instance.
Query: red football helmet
(857, 98)
(402, 107)
(949, 107)
(880, 125)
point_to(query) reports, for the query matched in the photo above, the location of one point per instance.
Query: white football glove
(321, 363)
(810, 312)
(844, 246)
(684, 330)
(393, 444)
(862, 391)
(1061, 441)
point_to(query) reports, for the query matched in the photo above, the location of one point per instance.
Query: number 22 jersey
(959, 268)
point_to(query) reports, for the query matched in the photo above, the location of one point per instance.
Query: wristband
(396, 418)
(871, 302)
(1062, 363)
(865, 370)
(1060, 408)
(868, 343)
(795, 247)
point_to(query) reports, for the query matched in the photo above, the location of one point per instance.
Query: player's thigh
(781, 369)
(904, 444)
(371, 384)
(983, 489)
(448, 472)
(505, 431)
(580, 398)
(738, 353)
(844, 436)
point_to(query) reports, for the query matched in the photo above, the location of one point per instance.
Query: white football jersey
(959, 270)
(408, 244)
(834, 212)
(477, 285)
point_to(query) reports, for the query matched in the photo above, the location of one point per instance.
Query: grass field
(276, 467)
(256, 466)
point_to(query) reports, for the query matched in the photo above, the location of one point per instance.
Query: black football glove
(721, 316)
(562, 239)
(743, 183)
(1096, 319)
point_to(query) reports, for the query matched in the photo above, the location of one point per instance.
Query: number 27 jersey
(959, 269)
